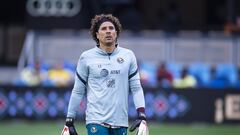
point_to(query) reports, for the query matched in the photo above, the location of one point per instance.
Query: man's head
(105, 28)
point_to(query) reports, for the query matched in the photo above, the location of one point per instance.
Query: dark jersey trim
(133, 74)
(80, 78)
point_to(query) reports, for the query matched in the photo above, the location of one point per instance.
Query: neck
(108, 48)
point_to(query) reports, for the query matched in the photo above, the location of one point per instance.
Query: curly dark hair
(99, 19)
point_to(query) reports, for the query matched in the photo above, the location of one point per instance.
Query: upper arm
(133, 70)
(81, 75)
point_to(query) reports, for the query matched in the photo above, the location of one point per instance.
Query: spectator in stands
(238, 72)
(238, 77)
(58, 76)
(31, 75)
(213, 74)
(186, 80)
(216, 81)
(164, 77)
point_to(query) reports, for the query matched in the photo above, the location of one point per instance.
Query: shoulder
(89, 52)
(86, 55)
(126, 51)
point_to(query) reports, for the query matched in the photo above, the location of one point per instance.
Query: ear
(97, 35)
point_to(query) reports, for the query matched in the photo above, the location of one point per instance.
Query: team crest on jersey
(111, 83)
(93, 129)
(120, 60)
(104, 72)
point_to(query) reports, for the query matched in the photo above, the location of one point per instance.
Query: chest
(108, 66)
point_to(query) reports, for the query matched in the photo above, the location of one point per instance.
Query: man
(105, 73)
(186, 81)
(164, 77)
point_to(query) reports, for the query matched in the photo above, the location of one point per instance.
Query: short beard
(109, 44)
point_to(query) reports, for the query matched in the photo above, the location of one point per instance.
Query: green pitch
(54, 128)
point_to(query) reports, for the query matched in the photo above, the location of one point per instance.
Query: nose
(108, 31)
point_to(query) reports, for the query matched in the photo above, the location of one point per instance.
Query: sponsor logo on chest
(115, 72)
(105, 72)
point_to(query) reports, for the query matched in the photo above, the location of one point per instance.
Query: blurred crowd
(42, 74)
(197, 75)
(165, 75)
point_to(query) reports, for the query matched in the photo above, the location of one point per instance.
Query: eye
(111, 27)
(103, 28)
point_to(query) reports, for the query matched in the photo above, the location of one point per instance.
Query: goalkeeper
(105, 74)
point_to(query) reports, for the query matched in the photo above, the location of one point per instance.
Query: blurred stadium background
(41, 40)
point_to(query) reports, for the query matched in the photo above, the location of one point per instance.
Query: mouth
(108, 37)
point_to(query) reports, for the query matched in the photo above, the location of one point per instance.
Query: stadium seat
(69, 66)
(237, 85)
(18, 82)
(201, 72)
(175, 69)
(148, 72)
(227, 72)
(43, 66)
(217, 84)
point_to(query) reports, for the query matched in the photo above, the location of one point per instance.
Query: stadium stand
(192, 49)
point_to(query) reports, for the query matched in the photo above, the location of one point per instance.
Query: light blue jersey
(106, 79)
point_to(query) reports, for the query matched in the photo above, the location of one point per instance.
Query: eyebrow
(104, 27)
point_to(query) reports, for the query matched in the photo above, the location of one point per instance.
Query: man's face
(107, 34)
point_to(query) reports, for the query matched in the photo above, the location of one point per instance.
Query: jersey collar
(102, 52)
